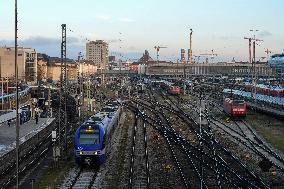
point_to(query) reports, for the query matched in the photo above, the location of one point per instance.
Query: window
(89, 138)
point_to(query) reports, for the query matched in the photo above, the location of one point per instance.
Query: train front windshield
(89, 137)
(238, 102)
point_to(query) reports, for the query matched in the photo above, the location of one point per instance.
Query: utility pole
(79, 85)
(2, 91)
(253, 74)
(63, 88)
(200, 140)
(190, 46)
(253, 91)
(89, 94)
(17, 95)
(49, 95)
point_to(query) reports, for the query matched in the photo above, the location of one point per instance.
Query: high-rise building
(97, 52)
(27, 63)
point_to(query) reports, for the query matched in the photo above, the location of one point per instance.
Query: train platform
(264, 109)
(28, 129)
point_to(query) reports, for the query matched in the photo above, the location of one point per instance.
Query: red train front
(174, 90)
(235, 107)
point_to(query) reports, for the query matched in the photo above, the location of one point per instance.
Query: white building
(97, 52)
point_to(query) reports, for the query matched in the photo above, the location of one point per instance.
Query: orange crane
(158, 49)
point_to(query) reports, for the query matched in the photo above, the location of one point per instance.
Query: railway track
(241, 130)
(244, 134)
(81, 178)
(223, 168)
(139, 173)
(85, 178)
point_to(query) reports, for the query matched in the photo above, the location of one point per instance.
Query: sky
(132, 26)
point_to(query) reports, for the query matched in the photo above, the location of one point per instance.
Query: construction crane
(198, 57)
(267, 51)
(158, 49)
(190, 47)
(250, 40)
(212, 54)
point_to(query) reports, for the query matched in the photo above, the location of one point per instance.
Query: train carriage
(91, 137)
(89, 144)
(233, 106)
(174, 90)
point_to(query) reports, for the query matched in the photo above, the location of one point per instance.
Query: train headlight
(96, 153)
(81, 153)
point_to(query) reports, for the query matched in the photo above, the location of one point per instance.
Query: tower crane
(212, 54)
(267, 51)
(250, 40)
(190, 47)
(158, 49)
(198, 57)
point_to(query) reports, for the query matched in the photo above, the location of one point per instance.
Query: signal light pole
(17, 96)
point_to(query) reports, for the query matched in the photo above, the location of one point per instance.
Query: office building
(97, 52)
(26, 60)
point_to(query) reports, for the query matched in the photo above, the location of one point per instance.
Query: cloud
(229, 37)
(125, 19)
(40, 41)
(133, 48)
(113, 41)
(264, 33)
(104, 17)
(50, 46)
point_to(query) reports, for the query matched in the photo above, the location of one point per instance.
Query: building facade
(97, 52)
(49, 68)
(26, 61)
(277, 61)
(186, 70)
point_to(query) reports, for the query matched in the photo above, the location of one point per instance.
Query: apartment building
(97, 52)
(26, 60)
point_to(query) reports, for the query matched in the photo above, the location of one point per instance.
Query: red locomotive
(171, 88)
(174, 90)
(235, 107)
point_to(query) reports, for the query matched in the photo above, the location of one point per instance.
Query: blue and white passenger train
(92, 136)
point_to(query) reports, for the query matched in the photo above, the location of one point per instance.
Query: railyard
(202, 108)
(174, 141)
